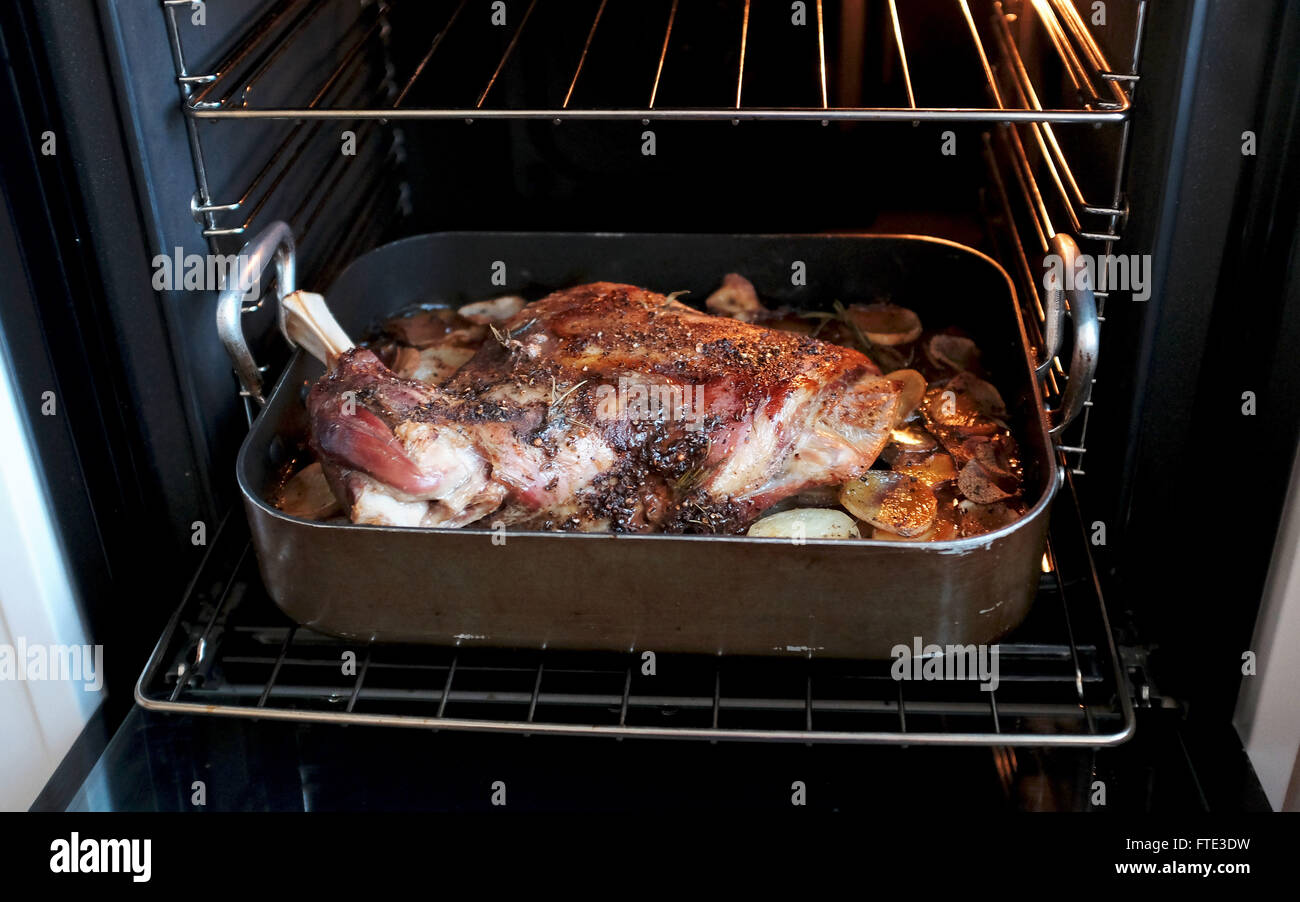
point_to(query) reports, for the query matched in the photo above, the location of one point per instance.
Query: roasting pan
(695, 594)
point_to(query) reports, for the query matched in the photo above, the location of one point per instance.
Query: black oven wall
(81, 320)
(153, 409)
(1193, 483)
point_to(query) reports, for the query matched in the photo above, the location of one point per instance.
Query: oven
(1151, 671)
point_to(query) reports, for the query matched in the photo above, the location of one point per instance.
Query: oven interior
(994, 124)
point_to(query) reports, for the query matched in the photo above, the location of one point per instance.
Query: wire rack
(339, 203)
(670, 39)
(229, 651)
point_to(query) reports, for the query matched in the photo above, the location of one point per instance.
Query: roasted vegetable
(885, 324)
(307, 495)
(893, 502)
(913, 384)
(806, 523)
(953, 352)
(736, 299)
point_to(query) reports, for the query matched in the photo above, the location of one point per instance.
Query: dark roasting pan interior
(734, 595)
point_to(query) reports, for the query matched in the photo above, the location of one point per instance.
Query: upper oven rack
(1101, 93)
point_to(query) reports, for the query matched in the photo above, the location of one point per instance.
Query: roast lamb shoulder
(602, 407)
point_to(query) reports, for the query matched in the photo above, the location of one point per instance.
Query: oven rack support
(225, 217)
(1003, 152)
(1103, 94)
(228, 651)
(1027, 222)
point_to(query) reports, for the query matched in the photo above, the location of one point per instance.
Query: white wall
(1268, 708)
(39, 720)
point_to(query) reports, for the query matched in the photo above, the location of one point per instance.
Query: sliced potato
(953, 404)
(885, 535)
(913, 390)
(952, 351)
(806, 523)
(886, 324)
(891, 501)
(943, 530)
(308, 495)
(496, 310)
(934, 470)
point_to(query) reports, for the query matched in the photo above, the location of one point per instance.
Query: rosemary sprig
(556, 400)
(672, 296)
(843, 315)
(505, 336)
(690, 479)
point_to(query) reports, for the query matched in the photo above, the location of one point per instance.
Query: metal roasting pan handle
(275, 246)
(1083, 314)
(1054, 324)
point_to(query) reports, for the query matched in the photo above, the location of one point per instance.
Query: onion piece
(806, 523)
(983, 486)
(983, 395)
(891, 501)
(736, 299)
(952, 351)
(908, 445)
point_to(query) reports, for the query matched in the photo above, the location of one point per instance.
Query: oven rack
(1087, 219)
(1005, 77)
(367, 187)
(1095, 91)
(228, 651)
